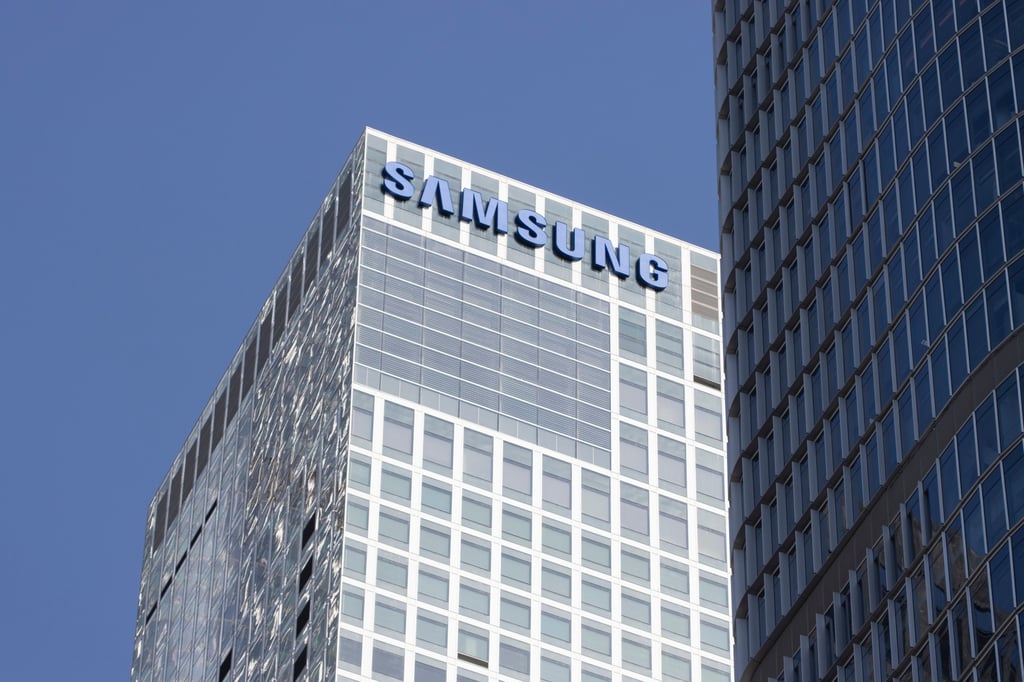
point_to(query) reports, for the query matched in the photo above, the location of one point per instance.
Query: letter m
(471, 210)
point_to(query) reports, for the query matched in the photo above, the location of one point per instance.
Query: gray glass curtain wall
(476, 433)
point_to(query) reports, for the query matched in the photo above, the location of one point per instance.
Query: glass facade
(447, 453)
(872, 225)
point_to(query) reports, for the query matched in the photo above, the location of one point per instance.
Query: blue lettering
(568, 243)
(397, 180)
(652, 272)
(439, 188)
(471, 210)
(561, 244)
(604, 257)
(530, 230)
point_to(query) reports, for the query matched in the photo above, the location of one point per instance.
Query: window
(672, 465)
(300, 661)
(302, 619)
(473, 645)
(669, 339)
(710, 478)
(516, 526)
(712, 673)
(556, 583)
(352, 603)
(675, 579)
(557, 485)
(394, 529)
(389, 617)
(596, 595)
(398, 423)
(596, 552)
(711, 543)
(636, 608)
(633, 451)
(437, 500)
(431, 632)
(358, 515)
(435, 543)
(636, 566)
(633, 393)
(513, 658)
(438, 439)
(476, 512)
(555, 626)
(517, 471)
(634, 512)
(225, 667)
(632, 335)
(433, 587)
(392, 570)
(478, 459)
(515, 612)
(675, 666)
(516, 567)
(596, 499)
(707, 365)
(673, 525)
(388, 663)
(715, 634)
(596, 639)
(359, 472)
(707, 410)
(476, 556)
(552, 670)
(556, 539)
(425, 672)
(395, 485)
(671, 406)
(474, 600)
(355, 561)
(675, 623)
(350, 651)
(362, 420)
(636, 655)
(714, 592)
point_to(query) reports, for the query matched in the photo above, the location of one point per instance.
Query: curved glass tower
(872, 220)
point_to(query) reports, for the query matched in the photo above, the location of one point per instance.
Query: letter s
(530, 230)
(397, 180)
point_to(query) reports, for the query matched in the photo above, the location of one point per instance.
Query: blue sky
(158, 163)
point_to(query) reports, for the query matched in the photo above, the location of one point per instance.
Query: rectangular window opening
(308, 531)
(225, 667)
(302, 619)
(306, 574)
(300, 662)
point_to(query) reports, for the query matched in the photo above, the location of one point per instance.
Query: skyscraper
(475, 433)
(872, 224)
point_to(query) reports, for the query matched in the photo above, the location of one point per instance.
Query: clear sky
(158, 163)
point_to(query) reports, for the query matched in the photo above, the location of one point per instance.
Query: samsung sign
(650, 271)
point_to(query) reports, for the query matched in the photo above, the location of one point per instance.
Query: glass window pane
(398, 424)
(438, 439)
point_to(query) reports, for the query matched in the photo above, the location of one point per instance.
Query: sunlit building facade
(475, 433)
(872, 227)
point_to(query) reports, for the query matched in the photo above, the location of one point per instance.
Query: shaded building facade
(872, 225)
(476, 433)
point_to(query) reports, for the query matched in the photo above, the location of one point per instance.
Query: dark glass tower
(872, 221)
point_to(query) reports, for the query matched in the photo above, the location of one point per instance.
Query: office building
(475, 433)
(872, 225)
